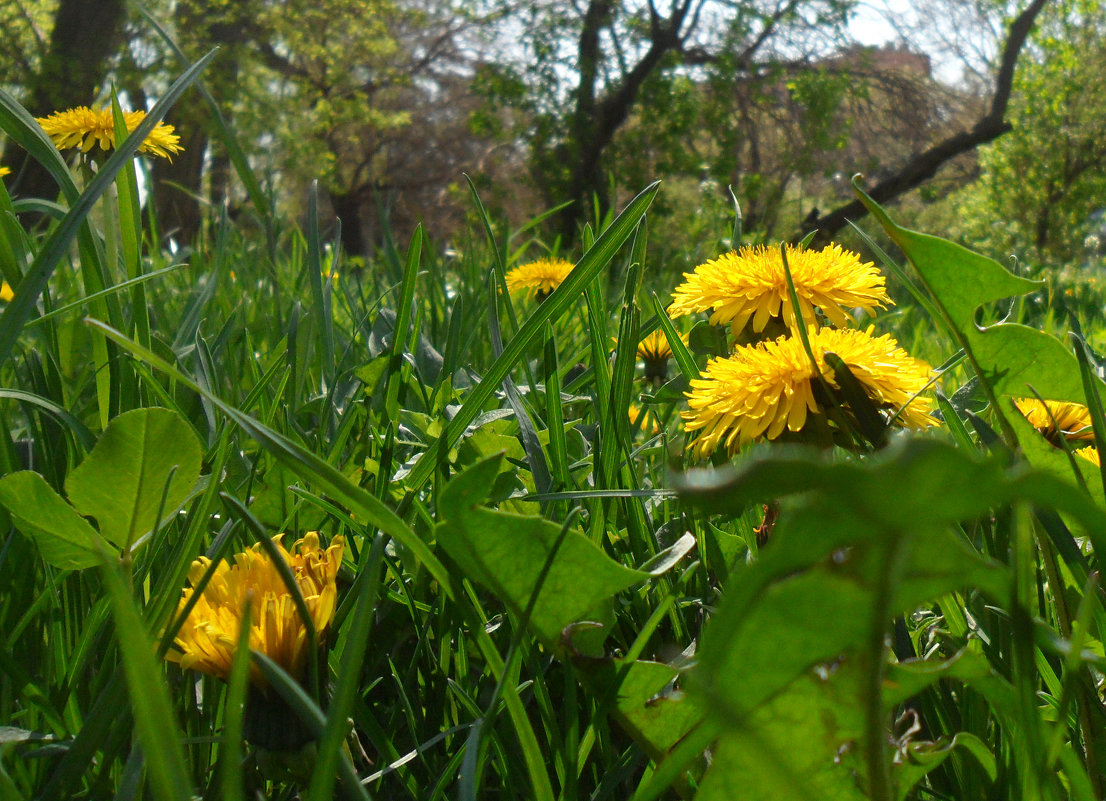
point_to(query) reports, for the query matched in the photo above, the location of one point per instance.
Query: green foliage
(143, 466)
(1042, 183)
(24, 36)
(65, 539)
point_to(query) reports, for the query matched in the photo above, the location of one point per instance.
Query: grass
(539, 599)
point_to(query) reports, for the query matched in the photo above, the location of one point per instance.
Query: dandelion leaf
(146, 460)
(794, 748)
(848, 553)
(507, 554)
(648, 701)
(1012, 358)
(961, 280)
(923, 465)
(64, 538)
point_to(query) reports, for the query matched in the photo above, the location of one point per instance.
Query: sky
(870, 24)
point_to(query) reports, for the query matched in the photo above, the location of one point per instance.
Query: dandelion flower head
(750, 284)
(5, 171)
(209, 636)
(1056, 419)
(764, 389)
(85, 127)
(655, 351)
(655, 348)
(643, 419)
(6, 292)
(1090, 454)
(539, 277)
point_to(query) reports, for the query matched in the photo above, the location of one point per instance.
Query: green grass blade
(149, 697)
(314, 265)
(310, 715)
(554, 412)
(349, 676)
(400, 333)
(77, 304)
(684, 359)
(79, 429)
(230, 751)
(1094, 400)
(539, 466)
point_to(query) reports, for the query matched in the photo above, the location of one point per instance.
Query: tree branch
(923, 166)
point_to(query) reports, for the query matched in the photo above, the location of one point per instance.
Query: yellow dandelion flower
(84, 127)
(1090, 454)
(751, 283)
(655, 351)
(6, 292)
(763, 389)
(648, 421)
(540, 277)
(655, 347)
(1072, 420)
(208, 637)
(5, 171)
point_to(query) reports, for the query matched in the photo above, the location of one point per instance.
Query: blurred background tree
(388, 102)
(1042, 188)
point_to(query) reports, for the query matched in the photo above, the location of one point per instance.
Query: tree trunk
(595, 120)
(177, 189)
(86, 34)
(347, 208)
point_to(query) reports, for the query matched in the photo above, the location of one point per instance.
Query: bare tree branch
(924, 165)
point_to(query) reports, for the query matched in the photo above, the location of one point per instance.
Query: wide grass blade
(311, 716)
(149, 697)
(684, 358)
(314, 265)
(349, 675)
(230, 751)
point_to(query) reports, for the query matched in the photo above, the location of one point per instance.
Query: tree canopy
(386, 103)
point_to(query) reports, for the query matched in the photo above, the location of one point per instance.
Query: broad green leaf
(960, 280)
(506, 553)
(796, 748)
(857, 545)
(913, 482)
(922, 465)
(647, 703)
(144, 457)
(1014, 358)
(1011, 358)
(64, 538)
